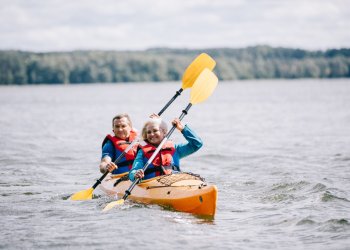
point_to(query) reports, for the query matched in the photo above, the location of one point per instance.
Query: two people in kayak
(153, 132)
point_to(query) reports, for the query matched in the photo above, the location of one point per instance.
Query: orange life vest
(162, 163)
(125, 163)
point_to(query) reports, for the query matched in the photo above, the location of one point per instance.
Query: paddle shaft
(171, 101)
(98, 182)
(167, 136)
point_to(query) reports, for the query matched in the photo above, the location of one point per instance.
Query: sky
(66, 25)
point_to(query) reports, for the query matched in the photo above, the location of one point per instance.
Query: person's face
(154, 134)
(121, 128)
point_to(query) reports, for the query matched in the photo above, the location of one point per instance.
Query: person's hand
(176, 122)
(154, 116)
(111, 166)
(139, 174)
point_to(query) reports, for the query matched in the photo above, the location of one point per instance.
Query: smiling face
(154, 134)
(121, 128)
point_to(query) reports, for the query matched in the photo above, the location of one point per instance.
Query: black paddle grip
(98, 182)
(171, 101)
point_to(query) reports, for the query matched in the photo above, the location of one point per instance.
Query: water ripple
(328, 196)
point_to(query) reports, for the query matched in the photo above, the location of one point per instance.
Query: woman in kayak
(168, 158)
(114, 145)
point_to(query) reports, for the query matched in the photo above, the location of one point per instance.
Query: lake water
(278, 151)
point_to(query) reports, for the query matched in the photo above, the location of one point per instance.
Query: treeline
(18, 67)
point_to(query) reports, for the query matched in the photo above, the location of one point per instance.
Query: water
(279, 152)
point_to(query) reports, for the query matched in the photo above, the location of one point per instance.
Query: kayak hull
(182, 192)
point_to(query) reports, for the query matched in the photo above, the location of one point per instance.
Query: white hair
(154, 121)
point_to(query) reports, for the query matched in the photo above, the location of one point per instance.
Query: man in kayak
(168, 158)
(114, 146)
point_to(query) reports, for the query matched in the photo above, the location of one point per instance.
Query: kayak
(184, 192)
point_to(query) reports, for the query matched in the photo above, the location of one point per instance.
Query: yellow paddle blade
(113, 204)
(203, 87)
(83, 195)
(195, 68)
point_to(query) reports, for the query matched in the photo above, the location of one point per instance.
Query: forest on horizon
(164, 64)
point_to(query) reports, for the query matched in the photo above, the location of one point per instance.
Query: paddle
(201, 90)
(191, 73)
(87, 194)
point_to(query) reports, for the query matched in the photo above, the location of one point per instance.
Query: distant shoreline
(164, 64)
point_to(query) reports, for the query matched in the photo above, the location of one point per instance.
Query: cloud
(56, 25)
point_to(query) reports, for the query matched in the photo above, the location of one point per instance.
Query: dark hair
(120, 116)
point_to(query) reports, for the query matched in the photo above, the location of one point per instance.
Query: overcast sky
(63, 25)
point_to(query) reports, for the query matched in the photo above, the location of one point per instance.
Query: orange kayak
(183, 192)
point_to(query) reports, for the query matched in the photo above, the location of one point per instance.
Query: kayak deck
(183, 192)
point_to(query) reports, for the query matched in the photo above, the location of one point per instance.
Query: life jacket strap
(125, 163)
(125, 142)
(163, 149)
(161, 169)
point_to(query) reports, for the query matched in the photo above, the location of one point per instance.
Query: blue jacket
(181, 150)
(114, 147)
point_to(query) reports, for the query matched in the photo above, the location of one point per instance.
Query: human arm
(107, 165)
(137, 166)
(108, 153)
(193, 144)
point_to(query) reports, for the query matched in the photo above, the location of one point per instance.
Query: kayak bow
(183, 192)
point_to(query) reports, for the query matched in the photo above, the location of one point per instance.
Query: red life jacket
(125, 164)
(162, 163)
